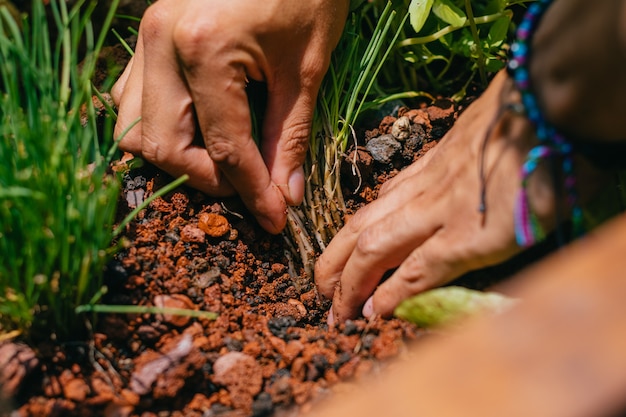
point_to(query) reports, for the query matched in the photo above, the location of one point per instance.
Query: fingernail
(296, 186)
(368, 308)
(331, 317)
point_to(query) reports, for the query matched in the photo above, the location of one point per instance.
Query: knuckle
(193, 37)
(155, 18)
(313, 69)
(368, 243)
(298, 137)
(151, 150)
(413, 272)
(357, 221)
(224, 153)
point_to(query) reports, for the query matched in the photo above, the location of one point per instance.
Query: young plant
(344, 95)
(57, 201)
(446, 43)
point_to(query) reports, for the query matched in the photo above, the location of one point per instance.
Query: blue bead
(521, 75)
(533, 9)
(525, 26)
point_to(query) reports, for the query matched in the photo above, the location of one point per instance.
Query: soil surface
(267, 352)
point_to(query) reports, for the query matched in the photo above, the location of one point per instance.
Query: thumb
(286, 135)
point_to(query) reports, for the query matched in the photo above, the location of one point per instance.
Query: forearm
(577, 66)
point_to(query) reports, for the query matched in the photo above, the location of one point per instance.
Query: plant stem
(479, 49)
(133, 309)
(481, 20)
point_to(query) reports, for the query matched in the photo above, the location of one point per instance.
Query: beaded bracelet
(551, 143)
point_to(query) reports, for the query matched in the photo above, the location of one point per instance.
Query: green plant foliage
(447, 12)
(57, 202)
(445, 43)
(442, 306)
(419, 10)
(348, 89)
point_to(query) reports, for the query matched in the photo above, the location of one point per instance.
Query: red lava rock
(299, 307)
(48, 407)
(213, 224)
(103, 389)
(292, 350)
(419, 117)
(241, 375)
(174, 301)
(289, 310)
(386, 124)
(130, 397)
(76, 390)
(199, 402)
(270, 344)
(441, 112)
(192, 233)
(117, 410)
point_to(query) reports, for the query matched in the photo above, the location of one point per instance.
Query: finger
(330, 265)
(169, 131)
(229, 141)
(118, 88)
(286, 134)
(445, 256)
(129, 90)
(376, 252)
(426, 267)
(224, 118)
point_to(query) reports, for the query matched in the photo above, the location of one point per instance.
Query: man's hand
(187, 82)
(426, 223)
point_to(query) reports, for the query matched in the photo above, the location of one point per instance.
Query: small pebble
(401, 128)
(213, 224)
(383, 148)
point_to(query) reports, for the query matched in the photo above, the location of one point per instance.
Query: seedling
(344, 95)
(57, 202)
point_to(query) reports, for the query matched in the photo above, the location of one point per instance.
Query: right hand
(187, 82)
(426, 224)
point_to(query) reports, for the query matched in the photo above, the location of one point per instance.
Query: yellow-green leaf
(449, 13)
(447, 304)
(418, 13)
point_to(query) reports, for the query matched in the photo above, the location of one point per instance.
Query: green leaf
(498, 31)
(448, 304)
(493, 64)
(20, 192)
(418, 12)
(449, 13)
